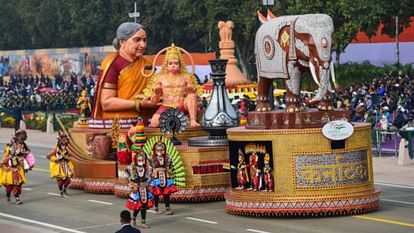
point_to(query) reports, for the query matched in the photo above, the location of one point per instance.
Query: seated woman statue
(174, 87)
(122, 78)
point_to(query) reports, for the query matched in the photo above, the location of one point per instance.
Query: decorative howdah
(280, 119)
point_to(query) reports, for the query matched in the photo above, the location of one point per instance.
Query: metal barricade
(380, 135)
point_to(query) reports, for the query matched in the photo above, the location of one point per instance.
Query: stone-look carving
(226, 45)
(225, 33)
(98, 145)
(288, 45)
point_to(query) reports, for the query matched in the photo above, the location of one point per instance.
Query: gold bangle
(137, 102)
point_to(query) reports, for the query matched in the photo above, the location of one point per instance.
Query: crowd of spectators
(43, 93)
(387, 102)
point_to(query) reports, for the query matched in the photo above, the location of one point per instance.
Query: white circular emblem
(268, 47)
(337, 130)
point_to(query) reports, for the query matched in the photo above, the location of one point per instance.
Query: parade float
(299, 161)
(201, 173)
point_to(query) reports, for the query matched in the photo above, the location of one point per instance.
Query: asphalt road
(45, 211)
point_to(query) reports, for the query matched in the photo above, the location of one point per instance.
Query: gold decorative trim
(109, 86)
(236, 131)
(250, 196)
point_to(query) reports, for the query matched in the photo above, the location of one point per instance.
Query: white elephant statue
(286, 47)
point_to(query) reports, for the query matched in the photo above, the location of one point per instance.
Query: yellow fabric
(130, 84)
(6, 176)
(6, 173)
(57, 171)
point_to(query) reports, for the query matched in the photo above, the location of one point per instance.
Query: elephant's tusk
(313, 73)
(333, 74)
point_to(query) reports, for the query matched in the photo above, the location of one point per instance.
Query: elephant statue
(287, 46)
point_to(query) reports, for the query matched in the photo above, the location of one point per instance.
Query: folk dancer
(138, 175)
(61, 168)
(163, 185)
(16, 161)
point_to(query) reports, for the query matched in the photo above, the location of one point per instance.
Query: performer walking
(16, 161)
(163, 185)
(61, 168)
(139, 178)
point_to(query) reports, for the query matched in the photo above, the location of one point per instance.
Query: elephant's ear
(261, 18)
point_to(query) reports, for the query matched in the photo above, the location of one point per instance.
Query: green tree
(350, 17)
(14, 34)
(191, 24)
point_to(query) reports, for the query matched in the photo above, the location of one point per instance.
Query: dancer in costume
(61, 168)
(163, 185)
(139, 179)
(174, 87)
(16, 161)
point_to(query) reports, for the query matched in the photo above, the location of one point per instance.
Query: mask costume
(16, 161)
(163, 185)
(138, 175)
(60, 166)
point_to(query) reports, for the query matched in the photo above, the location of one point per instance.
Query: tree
(191, 24)
(14, 35)
(350, 18)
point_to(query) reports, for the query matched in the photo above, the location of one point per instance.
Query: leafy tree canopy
(191, 24)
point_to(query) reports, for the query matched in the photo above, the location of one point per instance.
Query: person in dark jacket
(126, 223)
(17, 114)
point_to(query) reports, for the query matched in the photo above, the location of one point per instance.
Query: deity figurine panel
(251, 165)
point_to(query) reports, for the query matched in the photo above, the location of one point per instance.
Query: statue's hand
(158, 90)
(145, 103)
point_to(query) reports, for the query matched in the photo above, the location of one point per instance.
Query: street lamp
(134, 14)
(268, 3)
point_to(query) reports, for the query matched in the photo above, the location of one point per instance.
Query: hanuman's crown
(173, 53)
(255, 148)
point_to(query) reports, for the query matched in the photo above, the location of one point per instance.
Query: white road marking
(152, 211)
(391, 196)
(201, 220)
(54, 194)
(400, 202)
(101, 202)
(395, 185)
(39, 223)
(258, 231)
(95, 226)
(27, 189)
